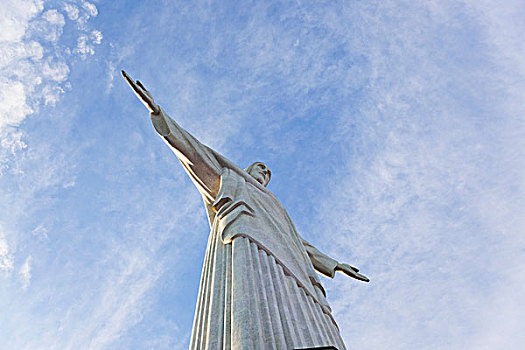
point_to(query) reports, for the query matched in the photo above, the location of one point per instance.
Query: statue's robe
(258, 287)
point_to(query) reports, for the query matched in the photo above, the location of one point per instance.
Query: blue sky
(394, 130)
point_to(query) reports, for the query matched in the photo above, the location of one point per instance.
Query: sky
(395, 131)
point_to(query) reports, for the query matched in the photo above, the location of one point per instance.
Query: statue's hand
(351, 271)
(143, 94)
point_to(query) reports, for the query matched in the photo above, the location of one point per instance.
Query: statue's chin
(259, 180)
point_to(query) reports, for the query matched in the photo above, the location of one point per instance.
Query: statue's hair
(250, 167)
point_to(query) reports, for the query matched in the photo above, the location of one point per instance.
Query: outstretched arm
(198, 160)
(328, 266)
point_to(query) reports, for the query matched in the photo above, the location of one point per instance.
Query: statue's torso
(243, 209)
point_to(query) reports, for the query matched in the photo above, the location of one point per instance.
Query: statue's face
(261, 173)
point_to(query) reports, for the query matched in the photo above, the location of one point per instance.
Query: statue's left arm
(328, 266)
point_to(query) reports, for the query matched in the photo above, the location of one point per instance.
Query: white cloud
(96, 37)
(25, 273)
(504, 25)
(31, 50)
(90, 8)
(429, 200)
(54, 17)
(122, 302)
(48, 27)
(85, 43)
(51, 94)
(33, 72)
(84, 47)
(55, 70)
(501, 323)
(6, 257)
(15, 18)
(13, 106)
(41, 232)
(71, 11)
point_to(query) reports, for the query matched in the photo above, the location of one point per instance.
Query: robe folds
(258, 286)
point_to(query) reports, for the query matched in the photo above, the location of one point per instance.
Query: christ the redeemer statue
(258, 288)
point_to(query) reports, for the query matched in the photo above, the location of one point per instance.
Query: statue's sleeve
(321, 262)
(198, 160)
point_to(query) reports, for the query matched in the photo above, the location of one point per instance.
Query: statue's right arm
(198, 160)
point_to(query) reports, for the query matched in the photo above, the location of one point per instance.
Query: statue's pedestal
(319, 348)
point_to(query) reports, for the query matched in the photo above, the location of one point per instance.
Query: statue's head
(260, 172)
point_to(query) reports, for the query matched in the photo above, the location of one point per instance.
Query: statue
(258, 287)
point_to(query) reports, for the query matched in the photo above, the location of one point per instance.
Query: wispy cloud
(429, 197)
(6, 257)
(34, 64)
(24, 273)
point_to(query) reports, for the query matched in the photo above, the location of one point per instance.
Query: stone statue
(258, 287)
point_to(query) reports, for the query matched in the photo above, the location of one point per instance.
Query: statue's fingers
(133, 84)
(142, 95)
(129, 80)
(351, 267)
(125, 75)
(362, 277)
(349, 272)
(145, 91)
(146, 100)
(141, 86)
